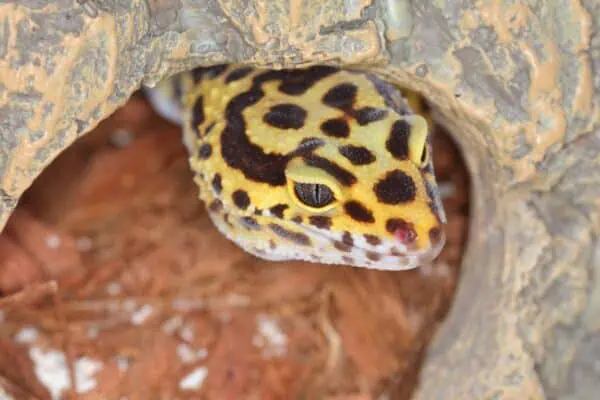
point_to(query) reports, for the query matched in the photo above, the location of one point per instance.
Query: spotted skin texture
(253, 134)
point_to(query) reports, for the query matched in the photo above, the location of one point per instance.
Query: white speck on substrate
(129, 305)
(85, 369)
(122, 363)
(188, 355)
(138, 317)
(53, 241)
(187, 305)
(50, 367)
(83, 244)
(172, 324)
(237, 300)
(113, 288)
(187, 333)
(271, 338)
(27, 334)
(194, 380)
(92, 332)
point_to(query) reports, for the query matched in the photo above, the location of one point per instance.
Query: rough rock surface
(515, 82)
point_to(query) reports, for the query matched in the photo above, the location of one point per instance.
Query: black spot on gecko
(397, 143)
(277, 210)
(342, 175)
(197, 116)
(215, 206)
(358, 212)
(250, 223)
(298, 81)
(286, 116)
(357, 155)
(320, 221)
(372, 239)
(241, 199)
(238, 73)
(373, 256)
(347, 239)
(336, 127)
(341, 246)
(216, 183)
(341, 96)
(205, 151)
(397, 187)
(296, 237)
(366, 115)
(209, 128)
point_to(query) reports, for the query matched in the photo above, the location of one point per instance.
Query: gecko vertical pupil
(314, 195)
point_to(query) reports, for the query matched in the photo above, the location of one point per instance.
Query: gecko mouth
(422, 255)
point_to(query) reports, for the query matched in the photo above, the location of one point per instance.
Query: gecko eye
(314, 195)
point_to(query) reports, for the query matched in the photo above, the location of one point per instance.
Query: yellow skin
(317, 164)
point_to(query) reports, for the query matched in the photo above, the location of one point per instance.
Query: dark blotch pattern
(236, 148)
(373, 256)
(357, 155)
(308, 145)
(205, 151)
(320, 221)
(297, 219)
(395, 188)
(197, 116)
(347, 238)
(241, 199)
(216, 184)
(366, 115)
(397, 143)
(342, 175)
(296, 237)
(341, 96)
(250, 223)
(358, 212)
(278, 210)
(238, 73)
(372, 240)
(298, 81)
(215, 205)
(286, 116)
(341, 246)
(209, 128)
(336, 127)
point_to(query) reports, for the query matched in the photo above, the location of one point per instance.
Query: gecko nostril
(405, 235)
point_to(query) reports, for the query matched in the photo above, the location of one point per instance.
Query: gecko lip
(425, 255)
